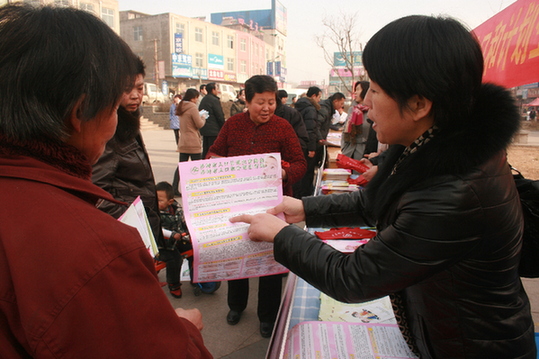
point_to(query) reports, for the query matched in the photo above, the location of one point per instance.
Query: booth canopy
(534, 102)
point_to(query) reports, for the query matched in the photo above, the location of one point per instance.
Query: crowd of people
(447, 213)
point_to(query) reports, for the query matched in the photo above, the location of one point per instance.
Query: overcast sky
(305, 60)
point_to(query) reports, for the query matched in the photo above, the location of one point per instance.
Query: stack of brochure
(329, 187)
(336, 174)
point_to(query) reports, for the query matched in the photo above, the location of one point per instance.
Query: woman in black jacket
(444, 202)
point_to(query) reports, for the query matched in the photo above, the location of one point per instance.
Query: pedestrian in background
(191, 121)
(174, 120)
(216, 117)
(239, 105)
(202, 91)
(308, 107)
(356, 129)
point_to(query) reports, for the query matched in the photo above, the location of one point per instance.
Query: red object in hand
(345, 233)
(360, 181)
(285, 164)
(351, 164)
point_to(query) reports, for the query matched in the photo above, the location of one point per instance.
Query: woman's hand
(263, 227)
(366, 162)
(369, 175)
(292, 209)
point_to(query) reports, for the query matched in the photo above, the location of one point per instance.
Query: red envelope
(346, 233)
(351, 164)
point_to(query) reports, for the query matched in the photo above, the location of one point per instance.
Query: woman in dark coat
(444, 202)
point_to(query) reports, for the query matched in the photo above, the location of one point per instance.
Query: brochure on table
(346, 340)
(217, 189)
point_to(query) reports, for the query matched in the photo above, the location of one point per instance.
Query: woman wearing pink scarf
(356, 129)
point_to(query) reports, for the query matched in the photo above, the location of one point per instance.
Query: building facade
(106, 10)
(182, 52)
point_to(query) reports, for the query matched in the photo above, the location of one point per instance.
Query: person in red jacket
(253, 132)
(74, 282)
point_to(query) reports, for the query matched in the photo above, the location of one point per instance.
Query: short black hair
(433, 57)
(282, 94)
(165, 187)
(210, 87)
(259, 84)
(202, 87)
(313, 91)
(51, 58)
(337, 96)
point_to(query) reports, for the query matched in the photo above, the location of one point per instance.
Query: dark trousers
(269, 296)
(177, 135)
(298, 189)
(207, 141)
(184, 157)
(174, 261)
(305, 186)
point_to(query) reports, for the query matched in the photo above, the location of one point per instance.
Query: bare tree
(340, 33)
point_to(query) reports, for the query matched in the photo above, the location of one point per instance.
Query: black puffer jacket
(325, 114)
(216, 117)
(308, 109)
(294, 118)
(449, 237)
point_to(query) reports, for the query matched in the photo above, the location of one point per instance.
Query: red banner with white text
(510, 43)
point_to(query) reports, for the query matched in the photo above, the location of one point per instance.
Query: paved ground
(243, 340)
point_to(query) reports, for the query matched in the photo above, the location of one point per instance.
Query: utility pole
(156, 64)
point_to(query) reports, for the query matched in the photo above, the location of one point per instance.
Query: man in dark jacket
(327, 110)
(308, 108)
(216, 117)
(294, 117)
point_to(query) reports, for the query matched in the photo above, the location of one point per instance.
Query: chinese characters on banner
(510, 43)
(217, 189)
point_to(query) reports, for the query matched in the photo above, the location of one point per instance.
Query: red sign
(510, 43)
(215, 74)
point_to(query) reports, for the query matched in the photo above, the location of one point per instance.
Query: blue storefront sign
(278, 68)
(269, 68)
(216, 61)
(339, 59)
(182, 65)
(200, 73)
(178, 43)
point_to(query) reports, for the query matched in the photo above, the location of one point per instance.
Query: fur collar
(57, 154)
(453, 151)
(304, 102)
